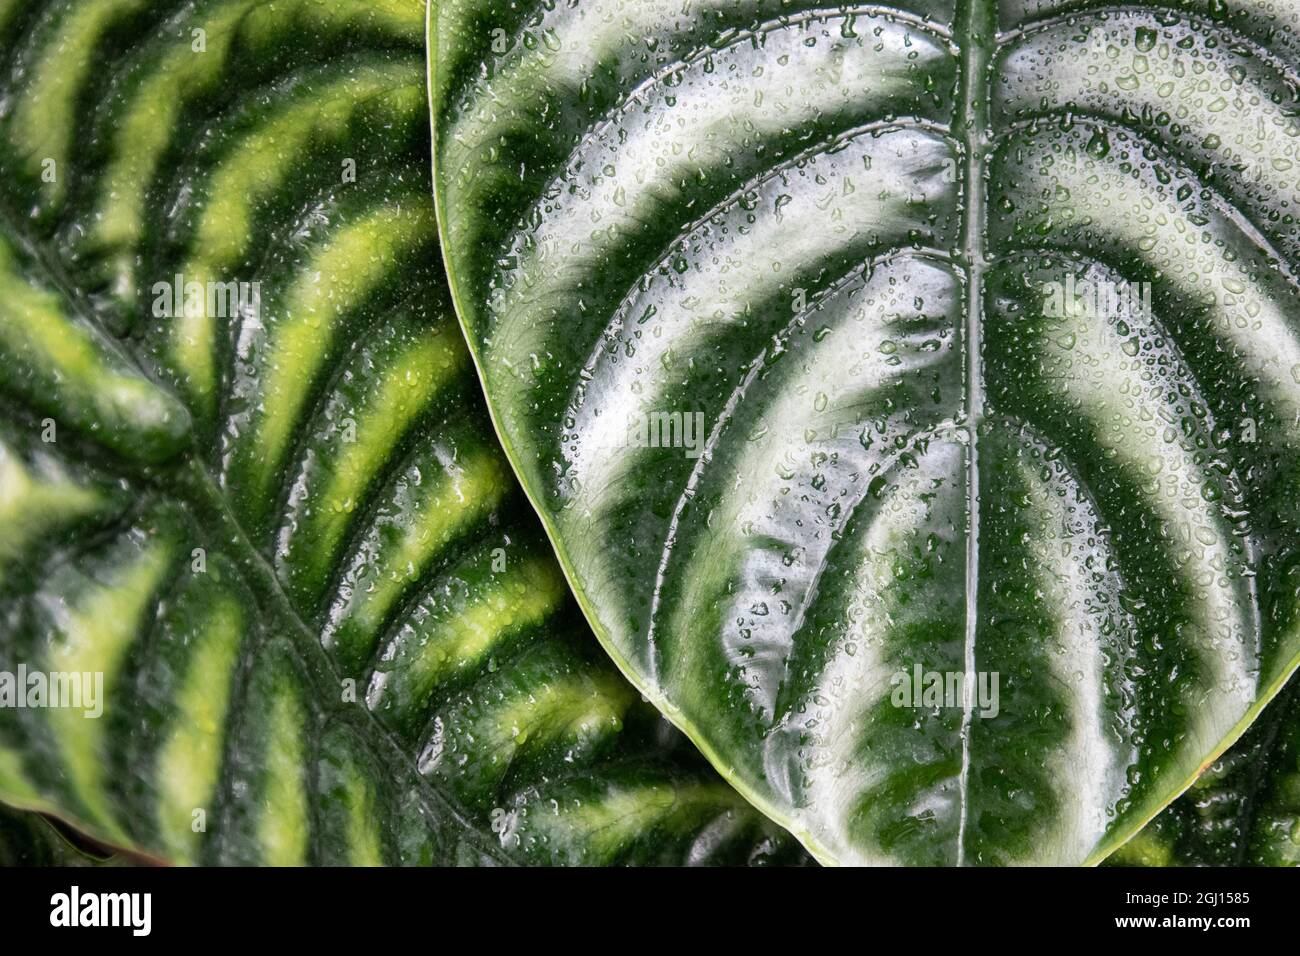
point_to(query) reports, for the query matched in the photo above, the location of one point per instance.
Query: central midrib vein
(975, 26)
(194, 483)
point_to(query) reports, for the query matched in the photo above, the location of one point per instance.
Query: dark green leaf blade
(274, 519)
(787, 315)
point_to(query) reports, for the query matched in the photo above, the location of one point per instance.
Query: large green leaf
(781, 311)
(328, 626)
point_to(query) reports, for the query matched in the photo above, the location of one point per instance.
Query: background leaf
(1242, 811)
(328, 626)
(784, 313)
(28, 839)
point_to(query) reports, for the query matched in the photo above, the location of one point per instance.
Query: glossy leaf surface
(849, 351)
(274, 517)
